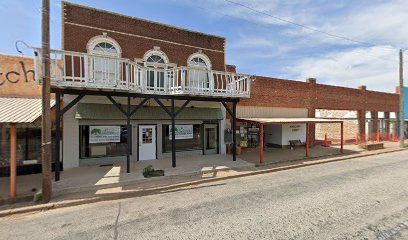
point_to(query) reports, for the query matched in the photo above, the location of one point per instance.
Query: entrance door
(210, 139)
(147, 142)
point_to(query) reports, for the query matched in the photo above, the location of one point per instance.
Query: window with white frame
(156, 61)
(199, 75)
(105, 65)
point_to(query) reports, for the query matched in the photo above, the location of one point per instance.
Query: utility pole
(401, 102)
(46, 116)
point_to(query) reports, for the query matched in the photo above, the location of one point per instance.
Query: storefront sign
(182, 132)
(104, 134)
(294, 128)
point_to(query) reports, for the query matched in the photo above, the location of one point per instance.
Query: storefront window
(28, 146)
(4, 146)
(183, 143)
(109, 145)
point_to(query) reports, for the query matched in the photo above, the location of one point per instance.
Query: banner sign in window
(182, 132)
(104, 134)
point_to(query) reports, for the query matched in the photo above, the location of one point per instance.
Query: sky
(256, 42)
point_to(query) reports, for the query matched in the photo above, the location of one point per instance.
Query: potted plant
(149, 171)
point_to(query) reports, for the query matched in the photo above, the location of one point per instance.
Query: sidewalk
(142, 187)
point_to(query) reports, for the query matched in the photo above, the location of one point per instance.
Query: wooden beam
(181, 108)
(117, 105)
(71, 104)
(164, 107)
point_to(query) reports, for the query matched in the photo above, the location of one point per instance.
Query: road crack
(115, 236)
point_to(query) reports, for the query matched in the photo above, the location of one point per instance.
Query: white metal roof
(20, 109)
(290, 120)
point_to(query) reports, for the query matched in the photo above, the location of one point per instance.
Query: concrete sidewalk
(92, 178)
(144, 187)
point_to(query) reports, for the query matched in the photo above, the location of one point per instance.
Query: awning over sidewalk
(307, 121)
(290, 120)
(20, 109)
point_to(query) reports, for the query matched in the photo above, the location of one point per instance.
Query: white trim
(158, 52)
(103, 38)
(135, 35)
(201, 55)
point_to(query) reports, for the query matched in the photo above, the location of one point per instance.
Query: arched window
(105, 69)
(198, 62)
(199, 72)
(157, 61)
(105, 48)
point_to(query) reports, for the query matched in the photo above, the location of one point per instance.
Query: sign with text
(104, 134)
(182, 132)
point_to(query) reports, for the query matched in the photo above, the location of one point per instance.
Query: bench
(294, 143)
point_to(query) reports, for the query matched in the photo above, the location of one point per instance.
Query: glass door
(210, 139)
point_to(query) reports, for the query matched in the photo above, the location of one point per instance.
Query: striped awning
(20, 109)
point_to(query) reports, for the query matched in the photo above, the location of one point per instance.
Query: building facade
(162, 56)
(20, 111)
(122, 84)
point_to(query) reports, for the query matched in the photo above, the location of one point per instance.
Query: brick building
(135, 90)
(20, 115)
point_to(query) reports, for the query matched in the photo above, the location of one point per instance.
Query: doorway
(210, 139)
(147, 142)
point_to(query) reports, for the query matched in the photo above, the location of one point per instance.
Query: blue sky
(258, 44)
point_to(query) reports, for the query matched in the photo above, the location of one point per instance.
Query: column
(311, 111)
(387, 124)
(13, 160)
(261, 143)
(375, 130)
(361, 117)
(312, 127)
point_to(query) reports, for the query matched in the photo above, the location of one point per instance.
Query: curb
(156, 190)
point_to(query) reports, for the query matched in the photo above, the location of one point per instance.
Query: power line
(262, 25)
(308, 27)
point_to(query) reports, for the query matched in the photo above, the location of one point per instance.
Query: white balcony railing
(92, 72)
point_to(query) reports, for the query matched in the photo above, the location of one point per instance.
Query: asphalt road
(364, 198)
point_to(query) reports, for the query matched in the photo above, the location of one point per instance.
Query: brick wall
(275, 92)
(17, 77)
(137, 36)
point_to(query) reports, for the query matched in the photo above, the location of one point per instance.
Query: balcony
(85, 71)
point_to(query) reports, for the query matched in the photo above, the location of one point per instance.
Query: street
(363, 198)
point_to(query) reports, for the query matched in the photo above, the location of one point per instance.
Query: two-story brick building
(128, 90)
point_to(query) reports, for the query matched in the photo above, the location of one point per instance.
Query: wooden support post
(341, 137)
(57, 135)
(234, 131)
(46, 152)
(129, 136)
(261, 143)
(173, 134)
(307, 140)
(13, 160)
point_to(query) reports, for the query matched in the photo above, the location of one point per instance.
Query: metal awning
(290, 120)
(20, 109)
(307, 121)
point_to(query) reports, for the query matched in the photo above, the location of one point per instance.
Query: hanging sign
(104, 134)
(182, 132)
